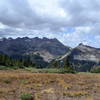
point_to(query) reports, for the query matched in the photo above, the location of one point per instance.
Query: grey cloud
(17, 14)
(44, 20)
(83, 12)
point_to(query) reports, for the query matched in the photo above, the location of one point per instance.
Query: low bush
(7, 81)
(27, 96)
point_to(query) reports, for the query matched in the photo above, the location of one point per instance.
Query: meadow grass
(46, 86)
(47, 70)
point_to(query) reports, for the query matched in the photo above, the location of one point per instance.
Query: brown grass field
(44, 86)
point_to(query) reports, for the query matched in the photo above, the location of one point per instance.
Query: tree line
(26, 62)
(10, 62)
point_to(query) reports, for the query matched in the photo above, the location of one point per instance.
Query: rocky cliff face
(83, 57)
(86, 53)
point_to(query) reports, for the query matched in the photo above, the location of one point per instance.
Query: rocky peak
(83, 57)
(81, 44)
(20, 46)
(86, 48)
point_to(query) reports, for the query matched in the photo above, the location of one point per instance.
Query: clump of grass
(27, 96)
(7, 81)
(24, 82)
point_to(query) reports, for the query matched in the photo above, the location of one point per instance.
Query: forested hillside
(10, 62)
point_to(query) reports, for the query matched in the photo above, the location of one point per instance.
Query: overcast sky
(70, 21)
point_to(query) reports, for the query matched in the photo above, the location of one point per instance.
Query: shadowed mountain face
(48, 49)
(83, 57)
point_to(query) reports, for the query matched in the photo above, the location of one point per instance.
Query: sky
(70, 21)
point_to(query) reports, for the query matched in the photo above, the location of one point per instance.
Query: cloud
(71, 21)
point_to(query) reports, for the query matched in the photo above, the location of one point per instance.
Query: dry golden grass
(89, 98)
(47, 86)
(97, 85)
(48, 91)
(7, 90)
(2, 98)
(63, 84)
(75, 93)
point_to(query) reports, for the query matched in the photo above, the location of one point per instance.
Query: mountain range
(43, 50)
(40, 50)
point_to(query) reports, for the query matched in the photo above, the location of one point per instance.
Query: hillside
(82, 58)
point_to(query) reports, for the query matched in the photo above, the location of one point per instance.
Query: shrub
(27, 96)
(7, 81)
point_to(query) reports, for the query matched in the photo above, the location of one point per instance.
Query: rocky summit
(83, 57)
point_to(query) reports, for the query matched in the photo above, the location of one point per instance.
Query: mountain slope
(83, 57)
(46, 48)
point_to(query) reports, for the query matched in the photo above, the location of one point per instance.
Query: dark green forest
(11, 62)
